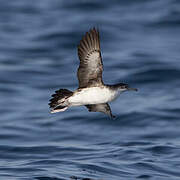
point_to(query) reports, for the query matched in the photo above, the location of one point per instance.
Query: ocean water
(140, 43)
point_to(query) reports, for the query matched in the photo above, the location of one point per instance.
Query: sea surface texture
(140, 44)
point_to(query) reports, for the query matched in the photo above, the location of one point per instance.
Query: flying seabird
(92, 92)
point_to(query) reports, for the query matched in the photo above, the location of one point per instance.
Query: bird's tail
(58, 102)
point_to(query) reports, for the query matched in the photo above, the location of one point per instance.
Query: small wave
(155, 75)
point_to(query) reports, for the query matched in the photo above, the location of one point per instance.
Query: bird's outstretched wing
(104, 108)
(90, 69)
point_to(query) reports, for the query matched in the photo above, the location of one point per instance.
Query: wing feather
(104, 108)
(91, 66)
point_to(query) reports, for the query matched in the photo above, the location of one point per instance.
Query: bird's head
(124, 87)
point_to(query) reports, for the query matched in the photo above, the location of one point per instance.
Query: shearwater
(92, 92)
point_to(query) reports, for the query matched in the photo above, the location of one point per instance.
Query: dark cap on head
(121, 86)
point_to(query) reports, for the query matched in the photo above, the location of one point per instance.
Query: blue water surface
(140, 43)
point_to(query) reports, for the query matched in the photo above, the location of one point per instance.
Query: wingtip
(93, 30)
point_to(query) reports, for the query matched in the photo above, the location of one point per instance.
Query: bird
(92, 92)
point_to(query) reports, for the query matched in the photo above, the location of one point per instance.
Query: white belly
(94, 95)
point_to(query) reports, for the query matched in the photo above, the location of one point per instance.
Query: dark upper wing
(91, 67)
(104, 108)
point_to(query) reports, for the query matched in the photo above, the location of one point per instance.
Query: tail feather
(59, 109)
(60, 96)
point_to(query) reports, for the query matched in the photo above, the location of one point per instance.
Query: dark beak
(132, 89)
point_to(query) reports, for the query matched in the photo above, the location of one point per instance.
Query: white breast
(94, 95)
